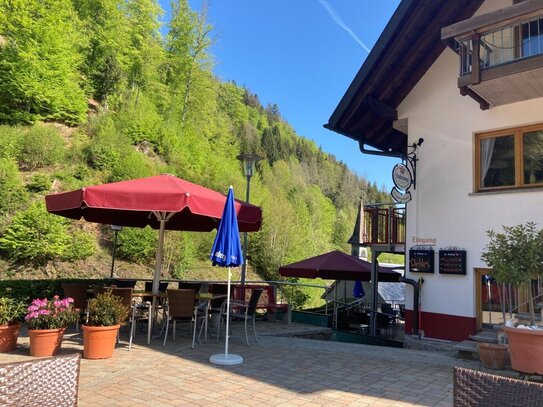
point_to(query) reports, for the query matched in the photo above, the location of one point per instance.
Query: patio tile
(278, 371)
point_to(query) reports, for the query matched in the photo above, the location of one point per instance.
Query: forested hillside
(92, 92)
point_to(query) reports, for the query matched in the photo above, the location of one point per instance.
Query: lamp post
(249, 161)
(116, 229)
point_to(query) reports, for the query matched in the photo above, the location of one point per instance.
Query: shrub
(133, 165)
(83, 245)
(35, 235)
(39, 183)
(40, 147)
(140, 122)
(106, 310)
(12, 193)
(10, 137)
(137, 245)
(102, 156)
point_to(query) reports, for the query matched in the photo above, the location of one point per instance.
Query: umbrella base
(226, 360)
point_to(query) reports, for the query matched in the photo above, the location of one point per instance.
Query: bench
(266, 301)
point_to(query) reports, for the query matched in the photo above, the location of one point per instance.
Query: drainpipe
(416, 293)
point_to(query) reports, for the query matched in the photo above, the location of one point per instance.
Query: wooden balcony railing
(383, 224)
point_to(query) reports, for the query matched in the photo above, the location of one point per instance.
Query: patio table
(153, 310)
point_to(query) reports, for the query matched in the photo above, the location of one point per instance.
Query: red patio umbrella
(162, 202)
(337, 265)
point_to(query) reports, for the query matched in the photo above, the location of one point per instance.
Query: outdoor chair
(40, 382)
(472, 388)
(78, 292)
(181, 307)
(125, 283)
(189, 286)
(242, 310)
(137, 311)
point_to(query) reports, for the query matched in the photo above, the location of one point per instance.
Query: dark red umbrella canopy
(132, 203)
(337, 265)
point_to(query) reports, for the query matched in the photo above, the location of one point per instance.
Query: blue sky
(302, 55)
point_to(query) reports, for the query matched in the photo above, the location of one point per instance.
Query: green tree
(35, 235)
(39, 61)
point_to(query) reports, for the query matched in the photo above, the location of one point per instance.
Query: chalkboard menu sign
(421, 261)
(452, 262)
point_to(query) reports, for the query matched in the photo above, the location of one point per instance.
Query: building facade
(481, 163)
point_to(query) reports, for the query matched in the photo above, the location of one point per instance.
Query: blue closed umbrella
(358, 289)
(226, 252)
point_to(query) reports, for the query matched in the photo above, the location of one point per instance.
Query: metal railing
(503, 45)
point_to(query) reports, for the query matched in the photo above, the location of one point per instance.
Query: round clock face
(401, 176)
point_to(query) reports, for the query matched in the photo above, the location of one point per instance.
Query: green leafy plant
(106, 310)
(35, 235)
(83, 245)
(51, 314)
(137, 245)
(40, 147)
(10, 311)
(516, 257)
(39, 183)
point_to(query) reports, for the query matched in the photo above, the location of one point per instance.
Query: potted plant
(105, 314)
(46, 320)
(516, 258)
(10, 312)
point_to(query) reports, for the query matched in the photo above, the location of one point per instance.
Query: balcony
(501, 54)
(384, 228)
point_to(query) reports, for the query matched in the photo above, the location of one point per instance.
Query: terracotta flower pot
(99, 341)
(492, 355)
(45, 342)
(526, 350)
(8, 337)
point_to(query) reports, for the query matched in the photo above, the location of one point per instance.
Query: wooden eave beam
(495, 19)
(379, 108)
(467, 91)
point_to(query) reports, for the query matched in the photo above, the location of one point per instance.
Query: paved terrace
(278, 371)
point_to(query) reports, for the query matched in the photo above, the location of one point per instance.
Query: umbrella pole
(227, 314)
(158, 267)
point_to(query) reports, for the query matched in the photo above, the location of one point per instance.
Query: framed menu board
(421, 261)
(452, 262)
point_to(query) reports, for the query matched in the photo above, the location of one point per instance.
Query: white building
(481, 163)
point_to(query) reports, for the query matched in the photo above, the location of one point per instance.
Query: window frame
(517, 133)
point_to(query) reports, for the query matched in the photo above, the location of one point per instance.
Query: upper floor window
(510, 158)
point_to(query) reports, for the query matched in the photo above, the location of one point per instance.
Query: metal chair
(472, 388)
(138, 312)
(181, 307)
(78, 292)
(40, 382)
(242, 310)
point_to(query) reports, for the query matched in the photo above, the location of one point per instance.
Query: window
(509, 159)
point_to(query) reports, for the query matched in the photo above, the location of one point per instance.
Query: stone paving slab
(278, 371)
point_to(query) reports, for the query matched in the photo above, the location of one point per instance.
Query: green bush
(10, 310)
(137, 245)
(140, 122)
(133, 165)
(39, 183)
(26, 290)
(35, 235)
(12, 193)
(102, 156)
(10, 137)
(106, 310)
(40, 147)
(83, 245)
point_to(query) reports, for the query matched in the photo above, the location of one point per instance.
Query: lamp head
(249, 161)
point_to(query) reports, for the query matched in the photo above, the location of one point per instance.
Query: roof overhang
(406, 49)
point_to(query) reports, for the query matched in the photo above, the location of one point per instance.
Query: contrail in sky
(340, 22)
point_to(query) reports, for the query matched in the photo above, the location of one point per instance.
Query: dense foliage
(127, 102)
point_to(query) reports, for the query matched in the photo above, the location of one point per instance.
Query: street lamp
(116, 229)
(249, 161)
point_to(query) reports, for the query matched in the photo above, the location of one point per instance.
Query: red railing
(384, 224)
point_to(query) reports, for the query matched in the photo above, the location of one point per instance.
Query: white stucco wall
(444, 206)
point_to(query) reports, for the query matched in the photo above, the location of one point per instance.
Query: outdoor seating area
(334, 373)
